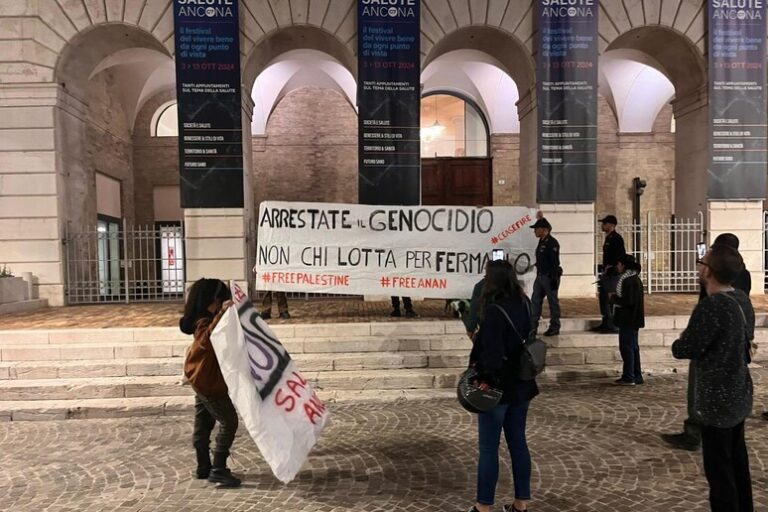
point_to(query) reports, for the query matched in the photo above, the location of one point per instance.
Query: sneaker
(552, 332)
(681, 441)
(395, 313)
(639, 382)
(511, 508)
(223, 478)
(623, 382)
(409, 313)
(285, 315)
(266, 315)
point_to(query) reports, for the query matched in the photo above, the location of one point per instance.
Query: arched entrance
(455, 166)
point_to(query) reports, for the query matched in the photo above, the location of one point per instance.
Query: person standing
(282, 305)
(548, 272)
(613, 249)
(504, 312)
(629, 317)
(207, 301)
(690, 438)
(717, 341)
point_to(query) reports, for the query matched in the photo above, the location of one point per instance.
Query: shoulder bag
(533, 359)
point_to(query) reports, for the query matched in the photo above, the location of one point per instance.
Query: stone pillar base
(573, 225)
(215, 245)
(745, 220)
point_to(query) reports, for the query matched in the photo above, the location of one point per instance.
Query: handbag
(533, 359)
(474, 397)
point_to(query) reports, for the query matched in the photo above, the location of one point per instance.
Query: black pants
(605, 286)
(544, 286)
(727, 467)
(406, 302)
(282, 302)
(691, 427)
(209, 410)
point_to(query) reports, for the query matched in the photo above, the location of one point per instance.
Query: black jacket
(743, 283)
(497, 349)
(613, 249)
(548, 257)
(715, 343)
(630, 307)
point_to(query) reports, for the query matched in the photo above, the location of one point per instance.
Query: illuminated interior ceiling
(479, 77)
(293, 70)
(635, 89)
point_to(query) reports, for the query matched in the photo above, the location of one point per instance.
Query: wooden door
(459, 181)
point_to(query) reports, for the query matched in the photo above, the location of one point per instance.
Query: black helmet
(474, 398)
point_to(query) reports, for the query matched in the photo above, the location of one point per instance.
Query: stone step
(301, 332)
(127, 387)
(46, 410)
(17, 370)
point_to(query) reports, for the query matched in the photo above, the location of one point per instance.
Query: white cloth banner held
(426, 251)
(280, 410)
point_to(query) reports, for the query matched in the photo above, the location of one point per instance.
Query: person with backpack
(629, 317)
(504, 311)
(207, 301)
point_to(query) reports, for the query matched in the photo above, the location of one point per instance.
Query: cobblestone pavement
(303, 311)
(595, 448)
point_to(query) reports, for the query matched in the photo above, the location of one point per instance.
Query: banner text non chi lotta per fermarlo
(427, 251)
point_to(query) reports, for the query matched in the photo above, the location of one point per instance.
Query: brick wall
(310, 150)
(622, 156)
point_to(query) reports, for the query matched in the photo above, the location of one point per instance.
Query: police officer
(613, 249)
(548, 274)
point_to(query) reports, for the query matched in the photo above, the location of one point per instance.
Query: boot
(203, 462)
(220, 474)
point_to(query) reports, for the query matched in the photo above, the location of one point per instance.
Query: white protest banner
(280, 410)
(426, 251)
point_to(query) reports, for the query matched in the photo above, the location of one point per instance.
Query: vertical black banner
(737, 107)
(388, 98)
(567, 100)
(208, 94)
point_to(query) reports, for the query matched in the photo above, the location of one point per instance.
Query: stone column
(573, 225)
(745, 220)
(30, 187)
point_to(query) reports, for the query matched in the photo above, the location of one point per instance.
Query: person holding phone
(548, 272)
(690, 438)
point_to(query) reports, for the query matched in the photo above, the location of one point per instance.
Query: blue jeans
(512, 419)
(629, 347)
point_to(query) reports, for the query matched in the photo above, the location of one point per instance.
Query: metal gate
(666, 248)
(121, 263)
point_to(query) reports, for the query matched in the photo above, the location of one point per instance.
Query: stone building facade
(82, 83)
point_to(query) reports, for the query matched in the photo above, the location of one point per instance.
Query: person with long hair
(496, 349)
(207, 301)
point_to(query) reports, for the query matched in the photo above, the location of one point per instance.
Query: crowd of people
(718, 341)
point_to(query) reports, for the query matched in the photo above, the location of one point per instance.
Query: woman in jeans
(206, 302)
(495, 350)
(629, 317)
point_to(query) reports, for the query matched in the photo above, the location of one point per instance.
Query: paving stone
(594, 447)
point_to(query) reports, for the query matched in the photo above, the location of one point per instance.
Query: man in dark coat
(548, 274)
(690, 437)
(629, 317)
(613, 249)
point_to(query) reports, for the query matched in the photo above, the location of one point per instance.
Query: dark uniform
(613, 249)
(547, 281)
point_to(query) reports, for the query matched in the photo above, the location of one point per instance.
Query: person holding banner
(207, 301)
(503, 301)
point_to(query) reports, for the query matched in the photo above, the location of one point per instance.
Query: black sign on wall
(567, 100)
(388, 98)
(737, 100)
(208, 95)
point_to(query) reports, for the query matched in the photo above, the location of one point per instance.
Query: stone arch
(514, 58)
(676, 55)
(295, 38)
